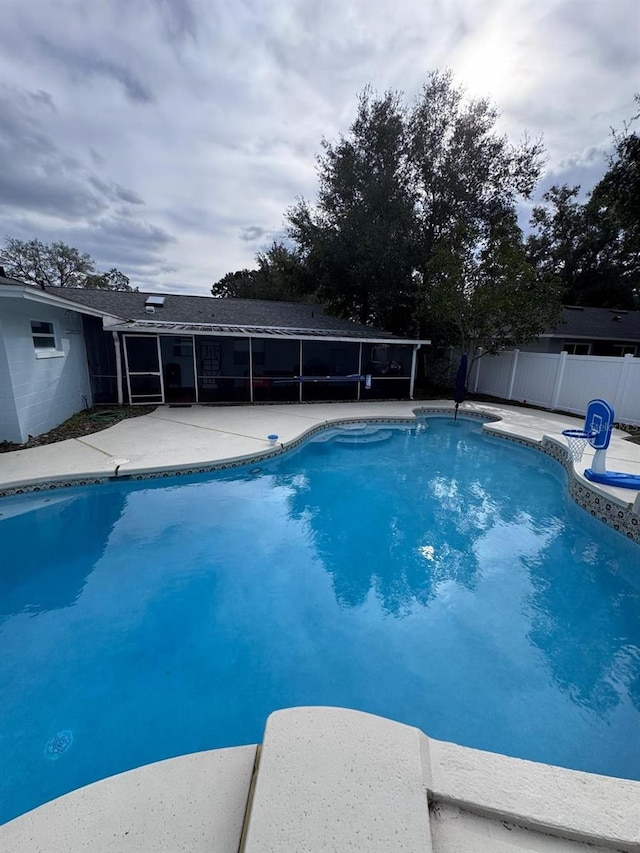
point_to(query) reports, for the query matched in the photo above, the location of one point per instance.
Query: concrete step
(331, 779)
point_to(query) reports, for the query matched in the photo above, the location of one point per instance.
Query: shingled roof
(597, 323)
(255, 313)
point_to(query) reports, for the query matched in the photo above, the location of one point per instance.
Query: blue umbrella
(461, 381)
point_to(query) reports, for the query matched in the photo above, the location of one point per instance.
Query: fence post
(555, 398)
(623, 377)
(477, 376)
(514, 365)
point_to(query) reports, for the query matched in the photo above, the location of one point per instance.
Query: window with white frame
(43, 334)
(624, 349)
(577, 348)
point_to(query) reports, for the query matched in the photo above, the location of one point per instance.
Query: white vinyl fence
(561, 381)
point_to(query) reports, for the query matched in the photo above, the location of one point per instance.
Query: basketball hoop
(577, 439)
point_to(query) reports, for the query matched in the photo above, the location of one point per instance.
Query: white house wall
(8, 416)
(46, 390)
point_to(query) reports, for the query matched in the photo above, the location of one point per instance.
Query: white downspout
(412, 382)
(116, 343)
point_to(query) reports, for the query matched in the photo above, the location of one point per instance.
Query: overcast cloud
(168, 137)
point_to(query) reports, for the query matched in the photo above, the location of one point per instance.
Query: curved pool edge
(614, 510)
(335, 778)
(618, 508)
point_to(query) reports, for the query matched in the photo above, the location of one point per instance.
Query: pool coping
(335, 778)
(611, 506)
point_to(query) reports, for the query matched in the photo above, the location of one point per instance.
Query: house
(63, 349)
(591, 331)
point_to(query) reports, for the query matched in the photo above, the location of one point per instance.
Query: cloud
(113, 191)
(42, 97)
(34, 173)
(81, 65)
(180, 19)
(252, 233)
(592, 155)
(168, 137)
(52, 194)
(37, 175)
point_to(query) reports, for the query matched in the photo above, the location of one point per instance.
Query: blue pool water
(436, 576)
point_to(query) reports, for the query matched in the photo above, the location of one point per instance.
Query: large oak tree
(57, 265)
(592, 247)
(414, 227)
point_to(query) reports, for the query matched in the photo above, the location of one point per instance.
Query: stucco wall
(46, 389)
(8, 416)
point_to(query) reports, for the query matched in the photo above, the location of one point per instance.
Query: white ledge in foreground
(331, 779)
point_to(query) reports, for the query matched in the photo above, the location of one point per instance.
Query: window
(577, 348)
(624, 349)
(43, 335)
(240, 352)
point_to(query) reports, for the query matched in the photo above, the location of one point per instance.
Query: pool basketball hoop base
(598, 424)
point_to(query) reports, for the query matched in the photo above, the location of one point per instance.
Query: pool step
(334, 779)
(354, 434)
(331, 779)
(364, 438)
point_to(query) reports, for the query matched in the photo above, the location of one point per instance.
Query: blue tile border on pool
(620, 518)
(615, 515)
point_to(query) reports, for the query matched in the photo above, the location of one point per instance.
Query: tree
(112, 280)
(53, 264)
(593, 247)
(280, 276)
(242, 284)
(356, 241)
(557, 244)
(581, 246)
(492, 299)
(467, 181)
(286, 274)
(57, 265)
(416, 209)
(414, 227)
(615, 204)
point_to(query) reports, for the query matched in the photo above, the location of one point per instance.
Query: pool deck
(323, 779)
(174, 438)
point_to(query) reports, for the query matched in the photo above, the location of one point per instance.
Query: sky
(167, 138)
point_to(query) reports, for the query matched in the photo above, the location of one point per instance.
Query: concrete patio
(174, 438)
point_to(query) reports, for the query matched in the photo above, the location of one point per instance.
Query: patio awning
(165, 327)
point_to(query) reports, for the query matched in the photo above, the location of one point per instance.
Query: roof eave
(631, 337)
(35, 294)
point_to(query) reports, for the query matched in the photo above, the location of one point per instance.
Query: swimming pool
(431, 574)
